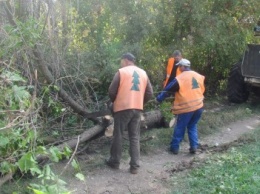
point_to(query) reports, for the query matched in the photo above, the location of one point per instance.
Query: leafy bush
(19, 146)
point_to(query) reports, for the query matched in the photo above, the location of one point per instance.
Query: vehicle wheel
(256, 91)
(236, 87)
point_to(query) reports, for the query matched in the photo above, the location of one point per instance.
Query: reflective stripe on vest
(190, 95)
(130, 94)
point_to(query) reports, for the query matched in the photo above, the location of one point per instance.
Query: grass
(236, 171)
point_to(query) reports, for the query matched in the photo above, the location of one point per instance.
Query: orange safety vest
(131, 90)
(169, 69)
(190, 95)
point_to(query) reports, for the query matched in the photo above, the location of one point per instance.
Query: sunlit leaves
(56, 154)
(50, 183)
(20, 93)
(20, 37)
(28, 163)
(80, 176)
(11, 77)
(4, 141)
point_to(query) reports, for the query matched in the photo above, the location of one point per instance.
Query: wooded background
(58, 57)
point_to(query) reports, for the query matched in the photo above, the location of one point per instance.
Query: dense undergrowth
(21, 145)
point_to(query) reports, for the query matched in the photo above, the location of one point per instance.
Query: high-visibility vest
(131, 90)
(190, 95)
(171, 71)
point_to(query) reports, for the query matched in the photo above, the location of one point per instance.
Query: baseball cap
(176, 53)
(128, 56)
(184, 62)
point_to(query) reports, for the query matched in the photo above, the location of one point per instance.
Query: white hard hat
(184, 62)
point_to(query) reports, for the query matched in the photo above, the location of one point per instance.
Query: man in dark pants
(188, 105)
(129, 90)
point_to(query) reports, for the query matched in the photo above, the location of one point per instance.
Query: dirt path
(155, 169)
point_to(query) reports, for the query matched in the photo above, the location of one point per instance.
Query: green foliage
(18, 146)
(212, 34)
(25, 35)
(15, 95)
(54, 107)
(28, 164)
(15, 140)
(91, 37)
(166, 107)
(50, 183)
(75, 164)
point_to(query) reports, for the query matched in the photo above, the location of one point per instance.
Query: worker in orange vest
(129, 90)
(172, 69)
(188, 104)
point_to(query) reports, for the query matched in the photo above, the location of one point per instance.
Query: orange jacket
(130, 94)
(190, 95)
(170, 67)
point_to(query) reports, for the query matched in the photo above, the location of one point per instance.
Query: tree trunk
(23, 9)
(148, 120)
(10, 17)
(151, 119)
(64, 18)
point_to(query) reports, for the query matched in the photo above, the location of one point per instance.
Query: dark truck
(244, 77)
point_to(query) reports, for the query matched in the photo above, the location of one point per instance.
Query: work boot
(133, 170)
(193, 150)
(173, 151)
(111, 164)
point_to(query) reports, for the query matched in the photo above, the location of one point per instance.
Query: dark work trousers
(130, 120)
(186, 120)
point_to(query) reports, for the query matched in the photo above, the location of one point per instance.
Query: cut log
(109, 130)
(153, 119)
(172, 122)
(85, 136)
(148, 120)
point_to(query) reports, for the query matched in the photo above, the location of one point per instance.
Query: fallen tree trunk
(151, 119)
(148, 120)
(71, 143)
(85, 136)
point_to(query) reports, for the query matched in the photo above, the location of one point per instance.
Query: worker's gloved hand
(157, 103)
